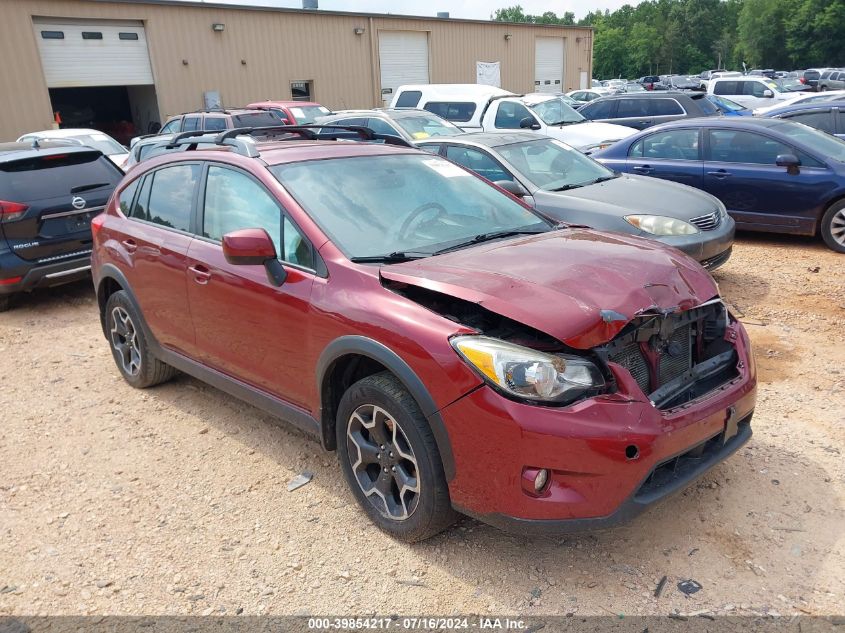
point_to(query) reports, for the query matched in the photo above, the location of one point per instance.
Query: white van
(752, 92)
(475, 108)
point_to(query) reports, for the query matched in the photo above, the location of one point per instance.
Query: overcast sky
(478, 9)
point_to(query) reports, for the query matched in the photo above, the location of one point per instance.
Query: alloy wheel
(383, 462)
(837, 227)
(124, 340)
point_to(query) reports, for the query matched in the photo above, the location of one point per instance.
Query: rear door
(62, 192)
(671, 154)
(740, 170)
(245, 326)
(155, 246)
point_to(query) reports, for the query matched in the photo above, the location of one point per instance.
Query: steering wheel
(416, 213)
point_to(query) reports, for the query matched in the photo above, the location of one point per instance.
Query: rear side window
(172, 195)
(727, 88)
(409, 99)
(452, 110)
(214, 123)
(820, 120)
(671, 145)
(598, 110)
(380, 126)
(50, 176)
(665, 107)
(631, 108)
(124, 200)
(259, 118)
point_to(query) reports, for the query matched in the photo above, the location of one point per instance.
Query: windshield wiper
(389, 258)
(567, 122)
(603, 179)
(81, 188)
(486, 237)
(570, 186)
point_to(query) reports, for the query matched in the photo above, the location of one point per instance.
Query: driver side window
(479, 162)
(510, 115)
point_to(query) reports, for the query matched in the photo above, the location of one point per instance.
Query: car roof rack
(235, 138)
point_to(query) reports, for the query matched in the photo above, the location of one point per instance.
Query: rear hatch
(62, 191)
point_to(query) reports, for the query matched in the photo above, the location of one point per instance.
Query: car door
(740, 170)
(673, 154)
(247, 327)
(155, 244)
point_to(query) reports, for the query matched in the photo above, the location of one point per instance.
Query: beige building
(106, 61)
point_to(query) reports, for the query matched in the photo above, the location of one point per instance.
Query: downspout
(374, 71)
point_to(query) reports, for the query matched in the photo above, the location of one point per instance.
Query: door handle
(130, 245)
(643, 169)
(201, 274)
(719, 173)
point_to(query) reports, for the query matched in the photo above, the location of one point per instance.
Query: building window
(128, 36)
(52, 35)
(301, 90)
(92, 35)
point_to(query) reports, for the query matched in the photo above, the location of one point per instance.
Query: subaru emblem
(78, 203)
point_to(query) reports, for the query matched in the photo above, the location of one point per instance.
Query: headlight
(527, 373)
(587, 149)
(659, 225)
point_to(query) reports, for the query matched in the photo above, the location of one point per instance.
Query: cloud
(474, 9)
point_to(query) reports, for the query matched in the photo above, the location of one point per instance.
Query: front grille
(708, 222)
(632, 359)
(677, 355)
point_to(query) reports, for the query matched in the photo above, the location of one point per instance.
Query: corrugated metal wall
(277, 47)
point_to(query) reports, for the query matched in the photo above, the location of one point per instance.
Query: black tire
(5, 303)
(428, 510)
(136, 363)
(833, 227)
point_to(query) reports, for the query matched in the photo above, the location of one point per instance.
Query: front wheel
(833, 227)
(390, 459)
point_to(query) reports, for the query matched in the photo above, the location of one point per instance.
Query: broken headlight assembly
(528, 374)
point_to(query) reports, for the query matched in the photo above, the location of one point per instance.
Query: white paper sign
(488, 74)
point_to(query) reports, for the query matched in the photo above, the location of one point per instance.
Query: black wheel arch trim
(363, 346)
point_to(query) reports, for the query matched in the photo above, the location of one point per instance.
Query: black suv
(642, 110)
(48, 195)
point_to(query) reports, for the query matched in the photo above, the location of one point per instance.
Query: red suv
(459, 351)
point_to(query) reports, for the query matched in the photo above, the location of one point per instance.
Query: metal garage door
(548, 64)
(76, 54)
(403, 59)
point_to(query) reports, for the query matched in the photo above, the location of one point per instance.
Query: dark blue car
(828, 116)
(772, 175)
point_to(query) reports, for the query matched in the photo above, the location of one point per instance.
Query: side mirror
(790, 161)
(512, 187)
(768, 94)
(253, 247)
(528, 123)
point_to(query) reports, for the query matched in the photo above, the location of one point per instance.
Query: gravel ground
(174, 500)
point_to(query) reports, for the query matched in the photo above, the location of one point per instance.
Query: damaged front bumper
(611, 456)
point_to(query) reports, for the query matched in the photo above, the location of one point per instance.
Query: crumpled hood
(628, 194)
(589, 133)
(578, 285)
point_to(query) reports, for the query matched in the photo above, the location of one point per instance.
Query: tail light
(802, 80)
(10, 211)
(8, 281)
(97, 224)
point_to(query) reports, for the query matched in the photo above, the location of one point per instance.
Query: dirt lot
(174, 500)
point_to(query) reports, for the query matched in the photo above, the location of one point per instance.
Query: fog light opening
(632, 452)
(541, 480)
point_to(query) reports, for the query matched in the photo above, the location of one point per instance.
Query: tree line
(688, 36)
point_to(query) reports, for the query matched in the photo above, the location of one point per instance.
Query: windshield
(414, 203)
(552, 165)
(822, 144)
(726, 104)
(305, 115)
(791, 84)
(422, 125)
(106, 144)
(555, 112)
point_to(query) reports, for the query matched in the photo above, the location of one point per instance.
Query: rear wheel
(132, 355)
(390, 459)
(833, 227)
